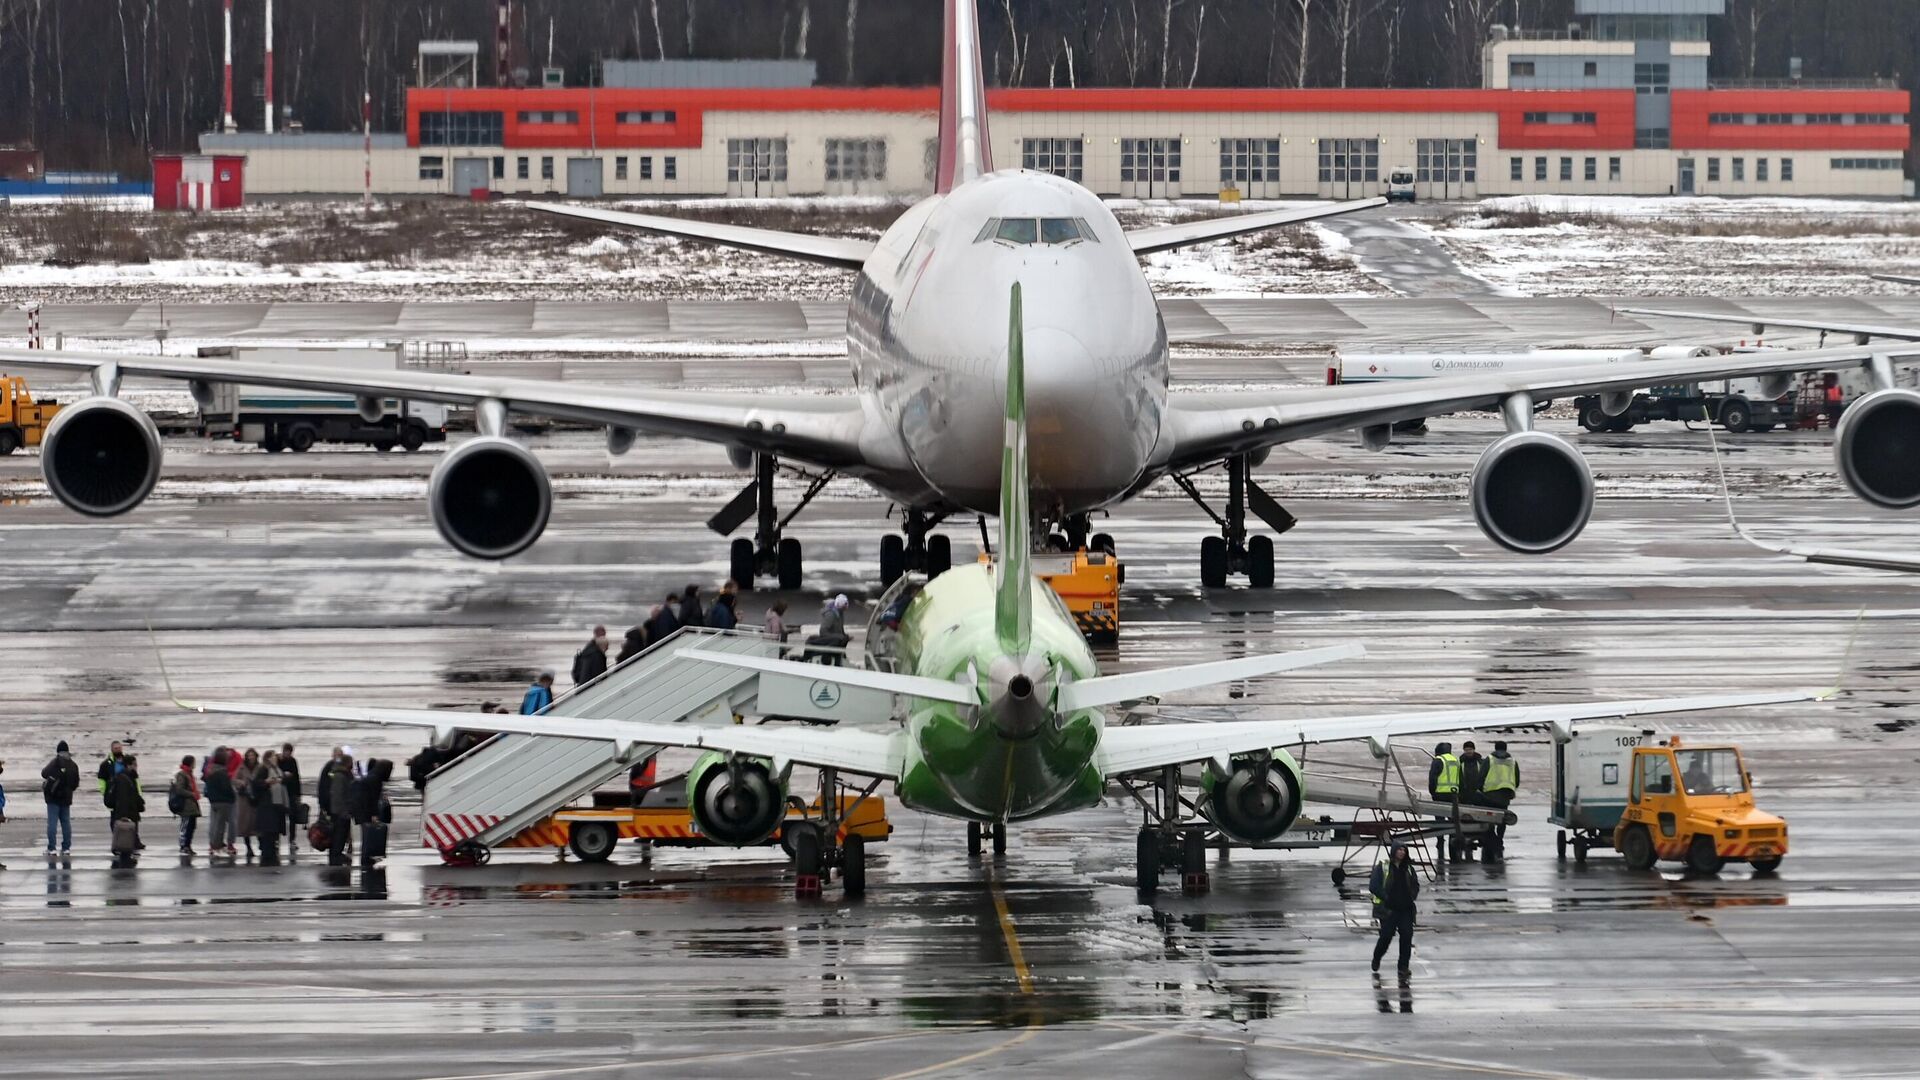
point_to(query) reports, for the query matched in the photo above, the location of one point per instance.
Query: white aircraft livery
(925, 340)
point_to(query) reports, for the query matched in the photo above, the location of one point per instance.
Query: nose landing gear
(1234, 551)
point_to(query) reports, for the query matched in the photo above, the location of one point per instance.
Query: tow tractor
(1656, 799)
(1088, 582)
(23, 421)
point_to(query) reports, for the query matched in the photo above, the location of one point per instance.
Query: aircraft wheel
(592, 841)
(1193, 855)
(1213, 562)
(1000, 839)
(1637, 846)
(1703, 857)
(1147, 849)
(1260, 562)
(973, 839)
(853, 864)
(789, 564)
(939, 556)
(740, 563)
(893, 558)
(806, 848)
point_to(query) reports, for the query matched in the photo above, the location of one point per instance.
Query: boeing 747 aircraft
(926, 354)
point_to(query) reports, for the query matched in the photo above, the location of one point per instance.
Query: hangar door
(470, 173)
(583, 177)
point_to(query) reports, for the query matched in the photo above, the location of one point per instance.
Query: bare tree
(1199, 36)
(1305, 37)
(1349, 15)
(853, 22)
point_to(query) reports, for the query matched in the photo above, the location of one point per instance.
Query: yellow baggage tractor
(1088, 582)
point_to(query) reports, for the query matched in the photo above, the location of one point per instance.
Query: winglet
(1013, 592)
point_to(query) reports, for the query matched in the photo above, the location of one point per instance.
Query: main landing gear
(1233, 551)
(978, 835)
(818, 848)
(769, 552)
(1172, 833)
(915, 547)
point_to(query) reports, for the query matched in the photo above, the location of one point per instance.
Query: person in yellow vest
(1502, 783)
(1443, 776)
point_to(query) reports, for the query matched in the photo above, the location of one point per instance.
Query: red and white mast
(226, 96)
(268, 82)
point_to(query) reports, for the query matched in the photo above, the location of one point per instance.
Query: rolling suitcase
(126, 838)
(373, 841)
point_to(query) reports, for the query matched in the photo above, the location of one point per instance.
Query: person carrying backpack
(591, 661)
(59, 779)
(183, 802)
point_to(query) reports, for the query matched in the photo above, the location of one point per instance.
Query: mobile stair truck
(276, 419)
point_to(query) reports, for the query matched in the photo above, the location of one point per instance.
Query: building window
(1613, 168)
(1739, 169)
(1786, 169)
(1867, 163)
(646, 168)
(1249, 161)
(656, 116)
(1154, 161)
(1534, 118)
(461, 129)
(1539, 168)
(546, 168)
(1713, 170)
(750, 160)
(620, 168)
(1064, 158)
(1651, 138)
(1593, 169)
(1516, 169)
(1592, 70)
(1520, 69)
(856, 159)
(1566, 169)
(520, 168)
(1449, 161)
(673, 167)
(551, 116)
(499, 167)
(1760, 169)
(1560, 118)
(1651, 78)
(433, 167)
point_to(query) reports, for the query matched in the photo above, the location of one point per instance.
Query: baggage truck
(277, 419)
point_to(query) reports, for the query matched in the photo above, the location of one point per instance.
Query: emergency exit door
(756, 167)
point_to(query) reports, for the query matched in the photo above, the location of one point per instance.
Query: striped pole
(268, 82)
(33, 324)
(366, 135)
(226, 96)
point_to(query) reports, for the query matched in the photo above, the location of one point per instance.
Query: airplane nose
(1082, 419)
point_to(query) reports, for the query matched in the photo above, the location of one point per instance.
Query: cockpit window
(1036, 230)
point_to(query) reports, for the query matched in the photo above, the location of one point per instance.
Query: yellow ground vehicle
(23, 421)
(1695, 803)
(592, 832)
(1088, 582)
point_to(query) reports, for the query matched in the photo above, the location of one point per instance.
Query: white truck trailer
(278, 419)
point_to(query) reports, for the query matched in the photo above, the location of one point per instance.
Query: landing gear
(769, 552)
(1170, 824)
(978, 834)
(916, 547)
(1234, 551)
(820, 844)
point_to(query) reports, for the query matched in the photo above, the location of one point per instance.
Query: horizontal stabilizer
(1167, 237)
(1135, 685)
(905, 685)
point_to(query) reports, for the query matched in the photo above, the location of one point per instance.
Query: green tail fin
(1013, 593)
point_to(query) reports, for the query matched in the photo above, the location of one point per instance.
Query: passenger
(721, 615)
(591, 661)
(538, 696)
(3, 796)
(246, 807)
(829, 645)
(323, 786)
(1395, 887)
(691, 613)
(290, 779)
(1502, 783)
(337, 799)
(1443, 776)
(124, 801)
(1473, 773)
(633, 644)
(59, 779)
(183, 802)
(421, 765)
(270, 806)
(110, 767)
(776, 624)
(220, 797)
(664, 621)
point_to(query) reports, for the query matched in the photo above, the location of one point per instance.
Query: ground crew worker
(1834, 399)
(1473, 773)
(1502, 781)
(1395, 887)
(1443, 776)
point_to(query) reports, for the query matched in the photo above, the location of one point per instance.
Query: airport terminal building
(1619, 104)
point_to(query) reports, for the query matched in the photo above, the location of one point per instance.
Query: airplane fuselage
(927, 341)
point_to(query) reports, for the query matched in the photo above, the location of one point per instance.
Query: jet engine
(1257, 799)
(1532, 492)
(1878, 448)
(490, 498)
(740, 803)
(101, 456)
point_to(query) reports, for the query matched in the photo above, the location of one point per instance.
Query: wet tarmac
(703, 964)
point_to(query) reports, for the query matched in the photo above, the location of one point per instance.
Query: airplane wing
(1870, 560)
(1167, 237)
(1138, 749)
(1205, 427)
(821, 430)
(1861, 332)
(1140, 685)
(866, 752)
(1896, 279)
(832, 250)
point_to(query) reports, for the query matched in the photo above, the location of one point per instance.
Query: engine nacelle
(1532, 492)
(739, 804)
(490, 498)
(101, 456)
(1255, 801)
(1878, 448)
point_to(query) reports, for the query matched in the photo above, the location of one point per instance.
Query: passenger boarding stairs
(512, 781)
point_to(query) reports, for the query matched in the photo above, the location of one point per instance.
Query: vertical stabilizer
(1013, 591)
(964, 149)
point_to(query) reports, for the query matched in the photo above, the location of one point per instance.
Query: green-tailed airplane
(1000, 706)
